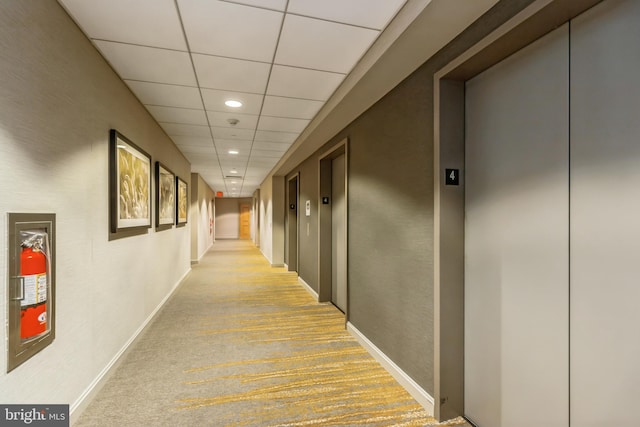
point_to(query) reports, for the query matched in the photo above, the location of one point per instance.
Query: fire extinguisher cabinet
(31, 299)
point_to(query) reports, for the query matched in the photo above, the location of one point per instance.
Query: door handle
(21, 286)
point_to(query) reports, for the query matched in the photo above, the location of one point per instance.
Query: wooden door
(245, 221)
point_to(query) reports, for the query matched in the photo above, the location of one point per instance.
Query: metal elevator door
(516, 239)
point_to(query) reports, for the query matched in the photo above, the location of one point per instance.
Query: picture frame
(165, 197)
(182, 202)
(129, 187)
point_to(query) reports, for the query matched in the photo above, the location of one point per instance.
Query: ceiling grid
(282, 59)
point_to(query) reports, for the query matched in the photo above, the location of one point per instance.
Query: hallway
(243, 344)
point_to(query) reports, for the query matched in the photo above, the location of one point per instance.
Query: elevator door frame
(325, 222)
(293, 221)
(533, 22)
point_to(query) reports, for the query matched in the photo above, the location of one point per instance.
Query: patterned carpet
(243, 344)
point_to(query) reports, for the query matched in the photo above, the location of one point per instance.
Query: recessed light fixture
(234, 171)
(233, 103)
(234, 152)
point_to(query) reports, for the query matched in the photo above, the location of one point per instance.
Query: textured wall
(391, 211)
(58, 100)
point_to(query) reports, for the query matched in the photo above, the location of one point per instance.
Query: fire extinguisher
(33, 269)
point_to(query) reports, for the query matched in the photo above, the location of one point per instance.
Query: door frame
(325, 167)
(293, 239)
(533, 22)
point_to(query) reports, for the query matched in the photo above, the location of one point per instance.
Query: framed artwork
(129, 187)
(181, 202)
(165, 197)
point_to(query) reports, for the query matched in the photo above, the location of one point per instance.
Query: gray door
(516, 239)
(338, 234)
(605, 215)
(292, 225)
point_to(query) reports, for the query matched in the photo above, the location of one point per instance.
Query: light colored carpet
(243, 344)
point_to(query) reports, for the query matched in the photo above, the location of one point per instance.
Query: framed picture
(129, 187)
(165, 197)
(181, 202)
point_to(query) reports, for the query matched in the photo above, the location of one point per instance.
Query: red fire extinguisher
(33, 269)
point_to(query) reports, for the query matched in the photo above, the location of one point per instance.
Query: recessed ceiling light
(233, 152)
(233, 103)
(234, 171)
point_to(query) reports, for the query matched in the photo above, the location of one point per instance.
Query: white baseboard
(277, 265)
(96, 385)
(405, 380)
(309, 289)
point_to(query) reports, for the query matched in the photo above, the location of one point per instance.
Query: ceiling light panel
(280, 124)
(187, 130)
(178, 115)
(301, 83)
(230, 29)
(149, 64)
(377, 16)
(322, 45)
(290, 107)
(221, 119)
(231, 74)
(214, 101)
(166, 95)
(143, 22)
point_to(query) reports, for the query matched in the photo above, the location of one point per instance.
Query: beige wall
(227, 222)
(201, 216)
(58, 100)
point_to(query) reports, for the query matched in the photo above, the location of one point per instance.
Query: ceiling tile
(149, 64)
(214, 101)
(301, 83)
(378, 12)
(267, 4)
(167, 95)
(178, 115)
(290, 107)
(265, 154)
(199, 149)
(280, 124)
(261, 162)
(230, 133)
(188, 130)
(270, 136)
(220, 119)
(235, 158)
(243, 146)
(273, 146)
(193, 140)
(143, 22)
(231, 74)
(231, 30)
(322, 45)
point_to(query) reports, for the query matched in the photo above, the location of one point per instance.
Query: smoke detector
(233, 122)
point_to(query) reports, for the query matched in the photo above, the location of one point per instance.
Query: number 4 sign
(452, 176)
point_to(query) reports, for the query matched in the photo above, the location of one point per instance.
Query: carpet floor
(243, 344)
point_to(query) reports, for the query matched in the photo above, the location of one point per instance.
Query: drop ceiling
(283, 59)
